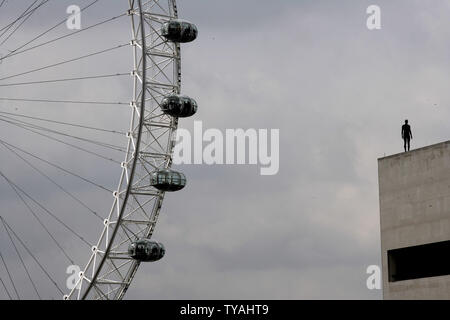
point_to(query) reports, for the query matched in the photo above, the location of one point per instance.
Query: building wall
(414, 190)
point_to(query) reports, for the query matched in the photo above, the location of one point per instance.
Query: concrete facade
(414, 193)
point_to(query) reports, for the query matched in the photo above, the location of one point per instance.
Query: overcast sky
(337, 92)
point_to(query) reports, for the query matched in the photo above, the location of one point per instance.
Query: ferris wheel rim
(174, 124)
(139, 137)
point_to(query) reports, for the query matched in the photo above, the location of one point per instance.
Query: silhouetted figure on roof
(406, 134)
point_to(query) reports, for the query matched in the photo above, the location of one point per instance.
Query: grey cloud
(337, 92)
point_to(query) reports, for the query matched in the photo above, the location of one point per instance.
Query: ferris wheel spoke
(63, 142)
(65, 101)
(32, 256)
(21, 259)
(28, 15)
(48, 30)
(57, 166)
(23, 14)
(52, 237)
(64, 123)
(66, 61)
(40, 205)
(65, 80)
(4, 286)
(53, 181)
(16, 52)
(24, 124)
(9, 275)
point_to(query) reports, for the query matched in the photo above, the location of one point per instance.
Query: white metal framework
(151, 139)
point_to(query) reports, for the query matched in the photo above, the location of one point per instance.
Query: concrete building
(414, 189)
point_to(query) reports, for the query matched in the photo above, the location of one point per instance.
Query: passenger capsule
(168, 180)
(146, 250)
(179, 31)
(179, 106)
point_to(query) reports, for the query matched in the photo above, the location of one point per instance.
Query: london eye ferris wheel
(144, 172)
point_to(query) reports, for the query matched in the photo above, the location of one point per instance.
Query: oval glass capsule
(177, 30)
(146, 250)
(168, 180)
(179, 106)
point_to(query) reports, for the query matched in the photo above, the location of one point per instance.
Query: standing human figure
(406, 134)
